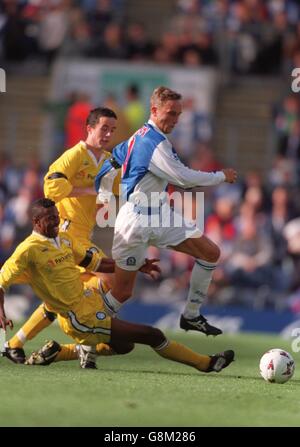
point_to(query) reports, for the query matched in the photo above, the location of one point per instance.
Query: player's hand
(151, 268)
(230, 175)
(5, 322)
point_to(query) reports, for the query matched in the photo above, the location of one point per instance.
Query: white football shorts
(137, 228)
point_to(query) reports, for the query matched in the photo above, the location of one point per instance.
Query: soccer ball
(277, 366)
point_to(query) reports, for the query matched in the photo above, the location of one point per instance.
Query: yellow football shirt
(77, 167)
(49, 265)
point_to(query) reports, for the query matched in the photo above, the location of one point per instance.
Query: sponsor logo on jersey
(62, 258)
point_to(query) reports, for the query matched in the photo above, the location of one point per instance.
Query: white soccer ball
(277, 366)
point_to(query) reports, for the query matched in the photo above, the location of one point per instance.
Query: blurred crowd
(243, 36)
(19, 186)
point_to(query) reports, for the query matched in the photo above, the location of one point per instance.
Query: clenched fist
(230, 175)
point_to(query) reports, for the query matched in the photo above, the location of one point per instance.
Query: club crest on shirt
(87, 292)
(100, 315)
(131, 261)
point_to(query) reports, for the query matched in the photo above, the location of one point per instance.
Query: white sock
(111, 303)
(199, 283)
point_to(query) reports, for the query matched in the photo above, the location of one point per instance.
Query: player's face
(48, 223)
(100, 135)
(166, 116)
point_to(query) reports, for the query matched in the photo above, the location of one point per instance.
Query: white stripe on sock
(21, 336)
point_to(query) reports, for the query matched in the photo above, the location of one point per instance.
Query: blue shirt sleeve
(118, 156)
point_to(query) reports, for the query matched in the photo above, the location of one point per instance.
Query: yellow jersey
(49, 265)
(77, 167)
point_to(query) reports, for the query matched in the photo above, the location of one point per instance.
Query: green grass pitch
(142, 389)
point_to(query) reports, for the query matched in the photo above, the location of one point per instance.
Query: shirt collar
(156, 128)
(96, 162)
(53, 240)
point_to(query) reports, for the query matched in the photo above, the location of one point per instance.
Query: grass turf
(142, 389)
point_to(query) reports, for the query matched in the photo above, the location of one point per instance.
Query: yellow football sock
(36, 322)
(68, 352)
(180, 353)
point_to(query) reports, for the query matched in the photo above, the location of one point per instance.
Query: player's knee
(157, 337)
(216, 254)
(213, 253)
(123, 348)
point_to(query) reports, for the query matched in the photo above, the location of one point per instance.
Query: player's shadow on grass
(182, 374)
(168, 373)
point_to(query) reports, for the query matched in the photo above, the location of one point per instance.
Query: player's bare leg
(122, 289)
(123, 331)
(107, 278)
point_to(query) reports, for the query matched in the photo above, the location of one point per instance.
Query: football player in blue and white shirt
(149, 162)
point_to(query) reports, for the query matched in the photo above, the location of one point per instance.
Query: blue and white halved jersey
(149, 163)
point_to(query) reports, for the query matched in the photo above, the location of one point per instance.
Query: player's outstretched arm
(166, 164)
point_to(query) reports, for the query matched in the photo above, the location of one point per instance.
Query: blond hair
(162, 94)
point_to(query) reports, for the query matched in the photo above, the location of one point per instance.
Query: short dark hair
(95, 114)
(39, 205)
